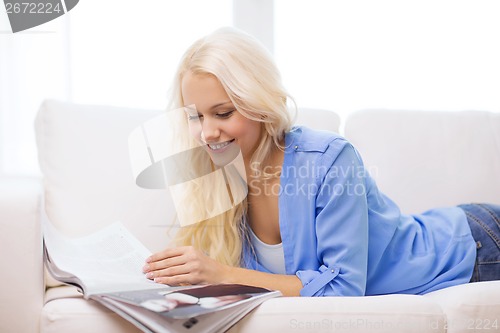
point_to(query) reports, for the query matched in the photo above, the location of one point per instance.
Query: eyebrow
(192, 107)
(219, 104)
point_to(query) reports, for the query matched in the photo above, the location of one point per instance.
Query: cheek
(245, 127)
(249, 132)
(253, 131)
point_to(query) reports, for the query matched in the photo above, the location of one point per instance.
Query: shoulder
(305, 139)
(321, 148)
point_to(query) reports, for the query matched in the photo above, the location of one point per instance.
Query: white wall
(397, 54)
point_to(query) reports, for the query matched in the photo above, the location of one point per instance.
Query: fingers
(173, 266)
(182, 265)
(168, 272)
(185, 273)
(168, 253)
(165, 259)
(184, 279)
(165, 263)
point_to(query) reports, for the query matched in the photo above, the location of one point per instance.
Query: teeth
(218, 145)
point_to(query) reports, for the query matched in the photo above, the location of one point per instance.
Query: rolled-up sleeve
(341, 227)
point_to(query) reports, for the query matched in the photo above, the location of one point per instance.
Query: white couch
(420, 159)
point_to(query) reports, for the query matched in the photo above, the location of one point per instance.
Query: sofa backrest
(84, 158)
(430, 159)
(318, 119)
(88, 181)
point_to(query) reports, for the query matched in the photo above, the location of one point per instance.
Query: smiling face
(215, 122)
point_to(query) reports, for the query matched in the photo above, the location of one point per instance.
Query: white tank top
(269, 256)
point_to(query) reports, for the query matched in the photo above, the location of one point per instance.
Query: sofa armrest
(22, 285)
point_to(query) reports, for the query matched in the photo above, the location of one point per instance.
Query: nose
(210, 131)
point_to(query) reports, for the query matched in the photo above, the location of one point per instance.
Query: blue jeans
(484, 222)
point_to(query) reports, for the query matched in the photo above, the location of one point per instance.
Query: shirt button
(296, 147)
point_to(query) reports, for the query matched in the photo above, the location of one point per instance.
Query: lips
(220, 145)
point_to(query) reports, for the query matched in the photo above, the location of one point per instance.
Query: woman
(314, 222)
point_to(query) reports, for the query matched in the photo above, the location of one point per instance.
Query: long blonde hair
(252, 81)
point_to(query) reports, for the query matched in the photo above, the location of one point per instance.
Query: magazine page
(58, 274)
(109, 260)
(151, 321)
(181, 303)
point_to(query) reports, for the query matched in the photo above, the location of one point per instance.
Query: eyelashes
(223, 115)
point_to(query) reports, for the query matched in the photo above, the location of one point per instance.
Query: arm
(341, 230)
(333, 248)
(186, 265)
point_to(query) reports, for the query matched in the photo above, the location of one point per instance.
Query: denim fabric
(484, 221)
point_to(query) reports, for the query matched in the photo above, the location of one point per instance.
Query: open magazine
(106, 266)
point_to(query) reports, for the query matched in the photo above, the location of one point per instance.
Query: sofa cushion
(318, 119)
(390, 313)
(428, 159)
(84, 158)
(67, 311)
(470, 307)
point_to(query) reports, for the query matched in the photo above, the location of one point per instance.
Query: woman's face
(215, 122)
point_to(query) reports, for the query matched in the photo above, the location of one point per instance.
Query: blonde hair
(252, 81)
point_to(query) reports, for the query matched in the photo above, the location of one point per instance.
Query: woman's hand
(184, 265)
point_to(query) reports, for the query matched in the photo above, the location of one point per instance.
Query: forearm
(186, 265)
(289, 285)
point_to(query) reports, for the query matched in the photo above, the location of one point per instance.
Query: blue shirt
(343, 237)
